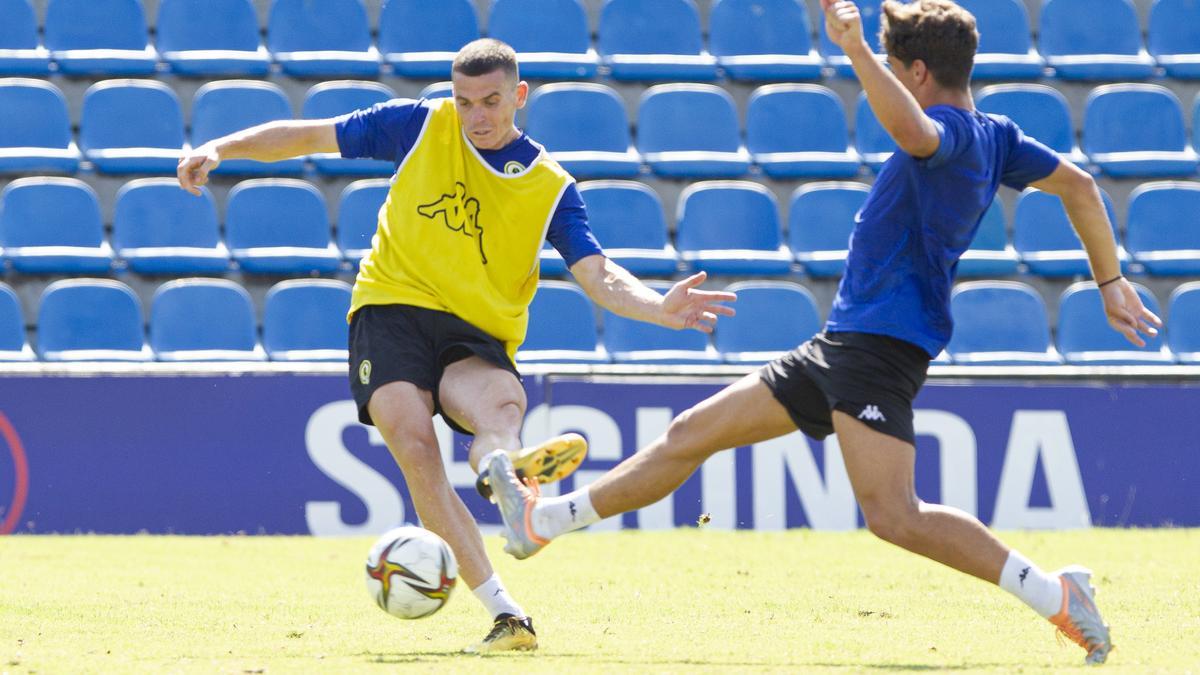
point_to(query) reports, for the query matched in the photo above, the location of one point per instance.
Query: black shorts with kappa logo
(873, 378)
(402, 343)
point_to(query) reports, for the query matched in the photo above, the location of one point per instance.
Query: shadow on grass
(429, 656)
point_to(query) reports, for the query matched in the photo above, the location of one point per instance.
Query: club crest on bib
(459, 213)
(513, 167)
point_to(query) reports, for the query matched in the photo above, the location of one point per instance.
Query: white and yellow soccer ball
(410, 572)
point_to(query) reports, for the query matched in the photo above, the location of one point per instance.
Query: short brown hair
(938, 32)
(486, 55)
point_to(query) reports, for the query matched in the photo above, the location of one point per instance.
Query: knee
(413, 446)
(894, 521)
(684, 437)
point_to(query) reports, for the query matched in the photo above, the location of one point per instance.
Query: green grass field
(684, 601)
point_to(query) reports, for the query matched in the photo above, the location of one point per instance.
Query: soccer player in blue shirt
(891, 315)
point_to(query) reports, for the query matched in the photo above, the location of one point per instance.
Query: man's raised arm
(268, 142)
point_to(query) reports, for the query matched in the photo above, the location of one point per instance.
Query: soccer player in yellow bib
(441, 302)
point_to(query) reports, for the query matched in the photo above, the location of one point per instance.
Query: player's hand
(843, 24)
(1126, 314)
(687, 307)
(194, 167)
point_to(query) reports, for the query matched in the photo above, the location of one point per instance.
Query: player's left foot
(546, 462)
(516, 498)
(508, 634)
(1079, 619)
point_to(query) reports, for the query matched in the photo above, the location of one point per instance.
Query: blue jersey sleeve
(569, 232)
(384, 131)
(954, 134)
(1028, 160)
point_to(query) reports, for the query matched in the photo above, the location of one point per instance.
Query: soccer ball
(410, 572)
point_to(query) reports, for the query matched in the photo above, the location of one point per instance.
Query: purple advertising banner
(284, 453)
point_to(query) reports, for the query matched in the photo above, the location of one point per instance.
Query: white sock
(558, 515)
(496, 599)
(1041, 591)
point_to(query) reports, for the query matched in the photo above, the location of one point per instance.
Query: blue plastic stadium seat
(52, 226)
(833, 54)
(871, 140)
(551, 262)
(821, 217)
(444, 89)
(690, 131)
(999, 323)
(763, 40)
(35, 134)
(1005, 47)
(562, 327)
(358, 216)
(1086, 339)
(99, 37)
(1093, 40)
(627, 219)
(990, 254)
(653, 40)
(631, 341)
(785, 148)
(279, 226)
(91, 320)
(20, 52)
(773, 317)
(203, 320)
(1174, 37)
(1045, 240)
(551, 37)
(114, 144)
(224, 107)
(731, 227)
(331, 99)
(305, 320)
(420, 38)
(584, 127)
(208, 38)
(1041, 112)
(1155, 146)
(322, 39)
(160, 229)
(1163, 230)
(13, 345)
(1183, 323)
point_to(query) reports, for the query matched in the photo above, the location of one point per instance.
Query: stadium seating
(208, 38)
(305, 320)
(443, 89)
(627, 219)
(763, 40)
(52, 226)
(1005, 47)
(1093, 40)
(632, 341)
(115, 145)
(332, 99)
(584, 127)
(731, 227)
(1045, 240)
(784, 148)
(419, 38)
(690, 131)
(1041, 112)
(20, 52)
(821, 217)
(1173, 38)
(772, 317)
(990, 254)
(203, 320)
(551, 37)
(224, 107)
(36, 133)
(1163, 230)
(999, 323)
(322, 39)
(99, 37)
(551, 263)
(1155, 146)
(358, 216)
(870, 138)
(653, 40)
(562, 327)
(13, 345)
(1183, 323)
(160, 229)
(279, 226)
(90, 320)
(1085, 338)
(833, 54)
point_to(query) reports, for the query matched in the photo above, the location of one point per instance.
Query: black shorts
(873, 378)
(401, 343)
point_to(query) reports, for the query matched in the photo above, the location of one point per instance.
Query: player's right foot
(1079, 619)
(516, 499)
(508, 634)
(545, 462)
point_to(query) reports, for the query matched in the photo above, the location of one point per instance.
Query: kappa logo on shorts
(459, 212)
(871, 414)
(364, 372)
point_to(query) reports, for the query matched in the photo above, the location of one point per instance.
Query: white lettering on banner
(601, 430)
(1044, 435)
(828, 503)
(957, 452)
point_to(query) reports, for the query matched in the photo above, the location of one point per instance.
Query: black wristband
(1116, 278)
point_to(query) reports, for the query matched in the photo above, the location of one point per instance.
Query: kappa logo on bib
(364, 372)
(459, 213)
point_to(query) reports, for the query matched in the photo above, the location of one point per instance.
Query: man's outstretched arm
(684, 306)
(268, 142)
